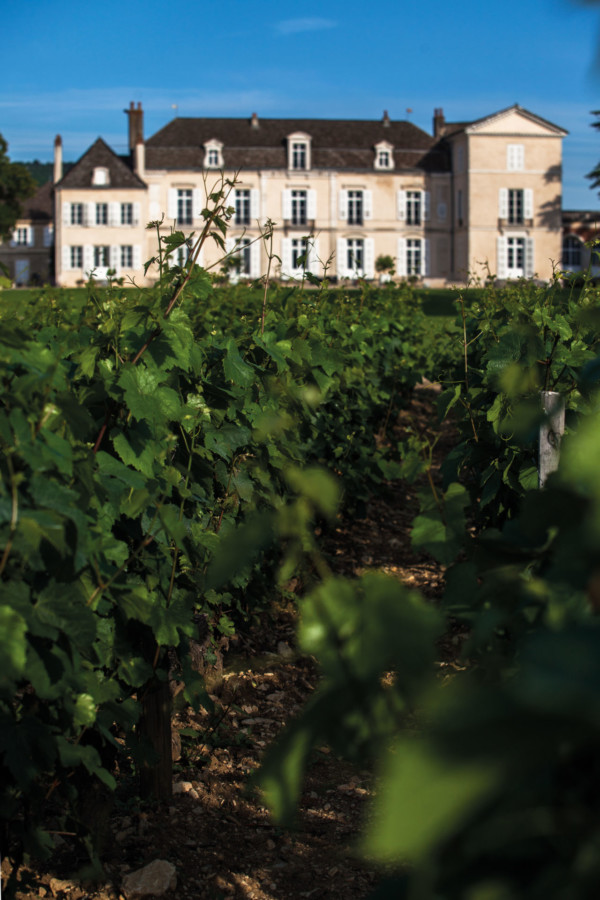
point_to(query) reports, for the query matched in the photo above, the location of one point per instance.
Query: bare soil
(218, 836)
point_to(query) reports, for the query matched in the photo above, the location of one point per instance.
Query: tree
(16, 185)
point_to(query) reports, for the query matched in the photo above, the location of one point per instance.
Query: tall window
(515, 207)
(76, 213)
(184, 206)
(299, 207)
(212, 158)
(571, 252)
(515, 256)
(127, 256)
(299, 248)
(355, 208)
(355, 254)
(101, 256)
(101, 213)
(77, 257)
(242, 207)
(299, 155)
(414, 256)
(21, 237)
(383, 160)
(413, 207)
(126, 213)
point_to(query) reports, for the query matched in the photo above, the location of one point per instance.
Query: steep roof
(40, 207)
(335, 143)
(100, 155)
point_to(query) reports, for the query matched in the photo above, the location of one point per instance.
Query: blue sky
(71, 68)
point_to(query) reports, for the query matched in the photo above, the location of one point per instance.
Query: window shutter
(528, 203)
(401, 261)
(230, 246)
(113, 256)
(286, 204)
(343, 204)
(88, 258)
(114, 213)
(313, 264)
(137, 256)
(426, 205)
(369, 267)
(66, 257)
(402, 204)
(441, 211)
(13, 240)
(137, 213)
(66, 213)
(340, 263)
(529, 269)
(501, 254)
(286, 257)
(89, 214)
(311, 205)
(503, 203)
(426, 257)
(172, 204)
(368, 204)
(254, 205)
(48, 235)
(255, 258)
(155, 211)
(198, 203)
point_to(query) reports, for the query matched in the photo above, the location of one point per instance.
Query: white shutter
(503, 203)
(401, 259)
(368, 204)
(113, 257)
(402, 204)
(311, 205)
(155, 211)
(137, 256)
(314, 264)
(114, 213)
(286, 204)
(528, 203)
(229, 246)
(286, 257)
(254, 205)
(66, 213)
(137, 213)
(369, 266)
(66, 257)
(343, 204)
(89, 214)
(501, 251)
(340, 262)
(172, 203)
(198, 203)
(48, 235)
(529, 269)
(255, 258)
(88, 258)
(426, 257)
(426, 205)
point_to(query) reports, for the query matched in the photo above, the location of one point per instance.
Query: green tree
(16, 185)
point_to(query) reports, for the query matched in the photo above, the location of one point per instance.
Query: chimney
(439, 122)
(139, 161)
(58, 158)
(386, 119)
(254, 121)
(136, 125)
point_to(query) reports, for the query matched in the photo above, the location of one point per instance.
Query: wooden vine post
(551, 432)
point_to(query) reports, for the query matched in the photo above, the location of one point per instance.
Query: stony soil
(218, 835)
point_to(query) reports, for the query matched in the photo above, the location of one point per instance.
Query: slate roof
(40, 207)
(100, 154)
(335, 144)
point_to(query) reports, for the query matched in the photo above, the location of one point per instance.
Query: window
(413, 207)
(184, 206)
(515, 257)
(299, 248)
(414, 256)
(126, 256)
(100, 176)
(299, 155)
(101, 256)
(244, 253)
(76, 214)
(355, 255)
(242, 207)
(571, 252)
(515, 207)
(77, 257)
(515, 157)
(101, 213)
(127, 214)
(212, 157)
(355, 208)
(384, 155)
(298, 148)
(21, 237)
(213, 154)
(299, 208)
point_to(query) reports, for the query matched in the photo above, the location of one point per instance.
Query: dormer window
(213, 155)
(299, 152)
(384, 156)
(100, 176)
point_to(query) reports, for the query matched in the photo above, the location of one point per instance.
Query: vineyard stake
(551, 431)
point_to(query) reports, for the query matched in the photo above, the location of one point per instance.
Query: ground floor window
(77, 257)
(571, 252)
(515, 257)
(101, 256)
(414, 256)
(127, 256)
(355, 255)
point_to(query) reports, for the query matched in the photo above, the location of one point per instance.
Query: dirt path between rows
(220, 840)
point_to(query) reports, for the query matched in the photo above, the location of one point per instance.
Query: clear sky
(71, 68)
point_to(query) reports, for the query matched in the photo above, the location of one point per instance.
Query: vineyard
(175, 465)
